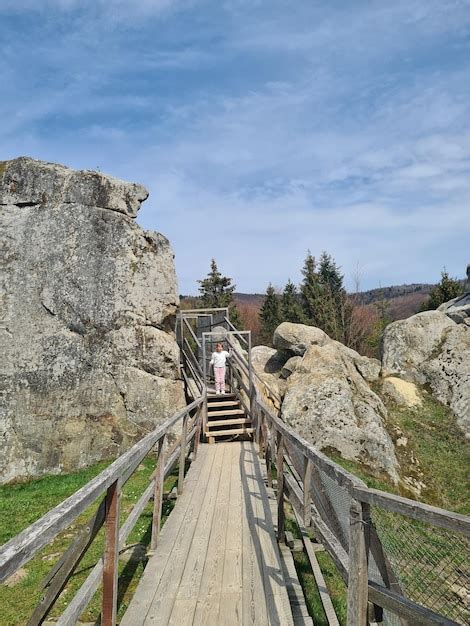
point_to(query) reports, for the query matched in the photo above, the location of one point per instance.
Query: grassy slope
(22, 504)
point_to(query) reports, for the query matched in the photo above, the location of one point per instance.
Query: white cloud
(268, 133)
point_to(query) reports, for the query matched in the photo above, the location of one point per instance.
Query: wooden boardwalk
(217, 559)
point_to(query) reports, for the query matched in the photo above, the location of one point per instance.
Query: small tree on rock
(445, 290)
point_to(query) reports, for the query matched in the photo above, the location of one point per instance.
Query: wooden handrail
(24, 546)
(363, 538)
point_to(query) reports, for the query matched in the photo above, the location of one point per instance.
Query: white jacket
(219, 358)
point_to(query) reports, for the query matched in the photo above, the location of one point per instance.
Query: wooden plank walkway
(217, 559)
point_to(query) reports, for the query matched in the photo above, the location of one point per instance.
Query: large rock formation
(327, 398)
(329, 403)
(89, 361)
(433, 350)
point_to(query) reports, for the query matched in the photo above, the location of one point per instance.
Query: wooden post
(269, 469)
(158, 492)
(204, 415)
(358, 576)
(264, 433)
(307, 487)
(111, 556)
(281, 533)
(197, 434)
(182, 461)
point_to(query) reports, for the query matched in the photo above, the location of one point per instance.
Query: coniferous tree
(291, 308)
(324, 299)
(217, 292)
(446, 289)
(329, 273)
(310, 290)
(270, 315)
(334, 308)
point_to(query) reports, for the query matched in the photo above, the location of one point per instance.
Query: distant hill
(396, 291)
(403, 300)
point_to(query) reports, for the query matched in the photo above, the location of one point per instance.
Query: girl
(219, 357)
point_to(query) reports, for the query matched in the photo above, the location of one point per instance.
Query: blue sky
(261, 128)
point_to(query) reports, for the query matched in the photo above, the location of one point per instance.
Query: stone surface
(458, 309)
(448, 374)
(408, 343)
(368, 368)
(402, 392)
(431, 349)
(90, 363)
(330, 404)
(290, 365)
(268, 364)
(296, 338)
(27, 182)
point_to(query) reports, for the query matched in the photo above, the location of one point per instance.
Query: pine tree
(329, 273)
(291, 309)
(217, 292)
(334, 310)
(270, 315)
(447, 289)
(325, 302)
(310, 290)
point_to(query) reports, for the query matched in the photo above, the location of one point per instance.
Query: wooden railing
(337, 505)
(308, 479)
(108, 483)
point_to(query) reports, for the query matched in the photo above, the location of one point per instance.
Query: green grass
(436, 454)
(22, 504)
(442, 452)
(334, 582)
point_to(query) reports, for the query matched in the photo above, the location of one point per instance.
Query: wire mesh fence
(432, 564)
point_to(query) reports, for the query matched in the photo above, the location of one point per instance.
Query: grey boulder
(297, 338)
(331, 405)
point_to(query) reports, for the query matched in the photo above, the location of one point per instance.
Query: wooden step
(223, 403)
(226, 412)
(235, 431)
(238, 420)
(221, 397)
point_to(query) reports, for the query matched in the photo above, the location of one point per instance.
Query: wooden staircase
(226, 418)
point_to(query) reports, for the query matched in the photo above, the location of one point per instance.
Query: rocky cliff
(89, 360)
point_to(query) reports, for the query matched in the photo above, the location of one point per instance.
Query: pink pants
(219, 373)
